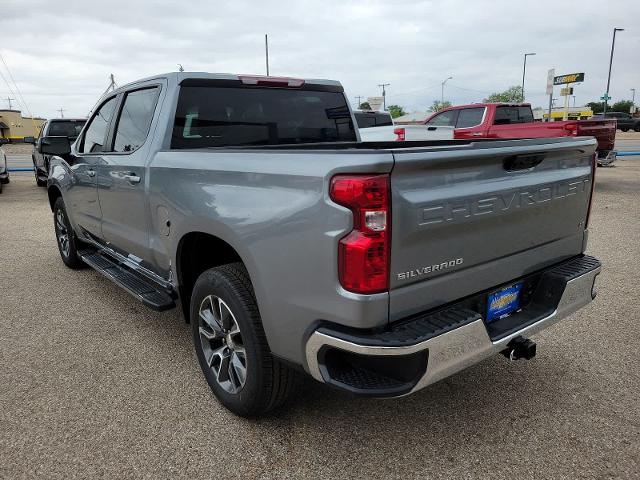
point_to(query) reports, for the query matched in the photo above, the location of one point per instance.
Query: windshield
(212, 116)
(66, 128)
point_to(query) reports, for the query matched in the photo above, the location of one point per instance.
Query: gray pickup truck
(291, 246)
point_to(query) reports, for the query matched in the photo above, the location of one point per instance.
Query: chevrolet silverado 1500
(291, 246)
(501, 120)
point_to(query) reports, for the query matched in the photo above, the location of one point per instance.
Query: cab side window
(444, 119)
(135, 119)
(470, 117)
(96, 133)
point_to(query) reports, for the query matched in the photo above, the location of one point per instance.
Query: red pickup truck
(507, 120)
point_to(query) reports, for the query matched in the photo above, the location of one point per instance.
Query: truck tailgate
(603, 130)
(467, 218)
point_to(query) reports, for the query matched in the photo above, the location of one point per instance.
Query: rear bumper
(430, 347)
(607, 157)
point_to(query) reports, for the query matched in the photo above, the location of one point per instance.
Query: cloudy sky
(61, 53)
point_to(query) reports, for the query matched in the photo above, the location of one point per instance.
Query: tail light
(400, 134)
(572, 129)
(363, 254)
(594, 166)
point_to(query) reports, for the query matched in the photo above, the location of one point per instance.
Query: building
(15, 127)
(557, 114)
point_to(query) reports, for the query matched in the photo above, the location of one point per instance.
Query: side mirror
(30, 140)
(55, 146)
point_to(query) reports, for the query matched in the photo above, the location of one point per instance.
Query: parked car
(293, 247)
(56, 127)
(504, 120)
(376, 126)
(625, 121)
(4, 169)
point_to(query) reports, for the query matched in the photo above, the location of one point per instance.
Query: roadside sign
(605, 97)
(566, 91)
(570, 78)
(550, 76)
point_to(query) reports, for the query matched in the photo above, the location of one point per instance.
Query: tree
(365, 106)
(510, 95)
(437, 105)
(597, 107)
(622, 106)
(396, 111)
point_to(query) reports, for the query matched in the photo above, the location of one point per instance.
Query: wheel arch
(196, 252)
(54, 193)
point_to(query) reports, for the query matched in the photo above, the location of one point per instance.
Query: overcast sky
(62, 52)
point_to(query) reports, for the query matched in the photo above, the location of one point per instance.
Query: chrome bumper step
(426, 348)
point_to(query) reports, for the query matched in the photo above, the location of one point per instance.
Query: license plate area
(503, 302)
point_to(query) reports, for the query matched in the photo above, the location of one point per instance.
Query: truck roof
(488, 104)
(180, 76)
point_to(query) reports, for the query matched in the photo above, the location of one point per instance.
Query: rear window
(212, 116)
(373, 119)
(510, 115)
(67, 128)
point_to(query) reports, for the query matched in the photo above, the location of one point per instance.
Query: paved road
(93, 384)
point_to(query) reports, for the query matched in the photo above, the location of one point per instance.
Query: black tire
(624, 129)
(68, 249)
(40, 183)
(6, 180)
(636, 129)
(268, 382)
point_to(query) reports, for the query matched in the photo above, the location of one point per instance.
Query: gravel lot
(92, 384)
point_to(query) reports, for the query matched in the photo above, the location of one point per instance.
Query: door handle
(91, 173)
(132, 177)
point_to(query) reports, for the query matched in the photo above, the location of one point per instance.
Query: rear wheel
(231, 346)
(624, 129)
(65, 236)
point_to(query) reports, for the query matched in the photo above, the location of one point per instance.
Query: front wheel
(231, 346)
(65, 236)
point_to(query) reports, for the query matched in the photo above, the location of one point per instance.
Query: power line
(17, 88)
(11, 92)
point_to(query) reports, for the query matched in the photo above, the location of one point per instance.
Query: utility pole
(61, 110)
(633, 97)
(384, 94)
(613, 46)
(180, 69)
(524, 70)
(9, 100)
(358, 97)
(442, 93)
(266, 51)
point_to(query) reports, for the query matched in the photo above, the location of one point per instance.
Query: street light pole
(613, 46)
(633, 97)
(524, 71)
(442, 93)
(384, 95)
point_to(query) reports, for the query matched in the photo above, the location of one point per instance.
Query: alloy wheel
(222, 344)
(62, 233)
